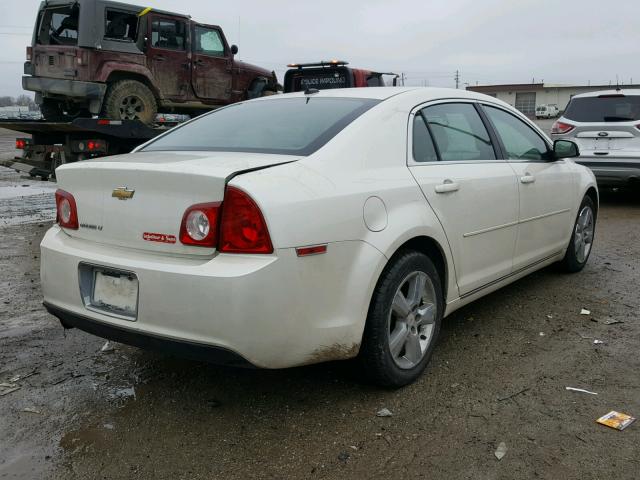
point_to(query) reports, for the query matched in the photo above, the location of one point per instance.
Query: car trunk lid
(160, 186)
(604, 139)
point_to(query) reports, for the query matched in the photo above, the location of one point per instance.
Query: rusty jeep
(124, 62)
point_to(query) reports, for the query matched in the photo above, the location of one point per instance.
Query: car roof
(628, 92)
(422, 94)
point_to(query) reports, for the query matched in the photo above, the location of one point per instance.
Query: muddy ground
(498, 375)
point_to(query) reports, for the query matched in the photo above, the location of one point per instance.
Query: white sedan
(315, 226)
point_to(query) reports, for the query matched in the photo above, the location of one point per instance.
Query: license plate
(602, 144)
(115, 291)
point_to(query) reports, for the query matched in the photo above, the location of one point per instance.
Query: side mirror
(234, 49)
(565, 149)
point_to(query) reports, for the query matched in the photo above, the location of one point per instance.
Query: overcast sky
(489, 41)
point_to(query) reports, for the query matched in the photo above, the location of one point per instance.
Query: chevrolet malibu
(315, 226)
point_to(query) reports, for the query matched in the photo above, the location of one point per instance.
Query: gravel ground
(498, 375)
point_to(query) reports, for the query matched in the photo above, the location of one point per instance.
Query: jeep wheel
(52, 111)
(130, 100)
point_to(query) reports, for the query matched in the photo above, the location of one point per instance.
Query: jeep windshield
(606, 108)
(286, 126)
(59, 25)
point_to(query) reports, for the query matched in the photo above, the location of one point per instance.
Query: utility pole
(457, 79)
(402, 77)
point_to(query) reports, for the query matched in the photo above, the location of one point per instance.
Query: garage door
(526, 102)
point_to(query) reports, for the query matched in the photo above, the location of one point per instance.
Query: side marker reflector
(314, 250)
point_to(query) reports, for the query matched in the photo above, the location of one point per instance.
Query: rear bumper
(191, 350)
(273, 311)
(67, 88)
(613, 172)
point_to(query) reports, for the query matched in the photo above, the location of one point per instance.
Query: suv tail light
(242, 226)
(560, 128)
(234, 226)
(200, 225)
(66, 210)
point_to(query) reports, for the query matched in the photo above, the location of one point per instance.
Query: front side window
(59, 26)
(208, 42)
(168, 34)
(520, 140)
(286, 126)
(458, 132)
(121, 26)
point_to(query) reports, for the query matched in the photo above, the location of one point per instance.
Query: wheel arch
(117, 75)
(593, 194)
(432, 249)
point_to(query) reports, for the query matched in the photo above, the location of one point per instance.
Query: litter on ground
(501, 451)
(616, 420)
(585, 312)
(385, 412)
(580, 390)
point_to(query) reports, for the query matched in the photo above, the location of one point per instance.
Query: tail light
(200, 225)
(235, 226)
(22, 143)
(29, 54)
(66, 210)
(242, 226)
(89, 146)
(560, 128)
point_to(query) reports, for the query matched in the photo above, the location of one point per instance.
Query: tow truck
(46, 145)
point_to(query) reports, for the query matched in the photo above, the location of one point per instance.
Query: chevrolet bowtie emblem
(122, 193)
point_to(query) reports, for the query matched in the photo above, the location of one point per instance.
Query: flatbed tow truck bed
(53, 143)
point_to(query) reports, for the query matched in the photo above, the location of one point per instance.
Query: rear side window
(59, 26)
(609, 108)
(168, 34)
(120, 26)
(520, 140)
(423, 148)
(459, 132)
(291, 126)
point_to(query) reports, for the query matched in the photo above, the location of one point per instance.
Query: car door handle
(527, 178)
(447, 186)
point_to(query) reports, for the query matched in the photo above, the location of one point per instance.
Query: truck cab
(331, 74)
(125, 62)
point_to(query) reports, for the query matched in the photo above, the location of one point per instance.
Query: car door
(546, 188)
(167, 55)
(211, 65)
(473, 192)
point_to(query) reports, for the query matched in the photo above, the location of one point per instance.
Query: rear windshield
(289, 126)
(59, 26)
(615, 108)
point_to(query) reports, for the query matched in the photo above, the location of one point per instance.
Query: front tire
(581, 242)
(130, 100)
(404, 321)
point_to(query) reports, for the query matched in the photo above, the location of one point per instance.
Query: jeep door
(168, 56)
(211, 72)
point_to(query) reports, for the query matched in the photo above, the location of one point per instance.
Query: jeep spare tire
(130, 100)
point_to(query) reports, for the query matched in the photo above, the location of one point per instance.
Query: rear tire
(130, 100)
(581, 242)
(52, 111)
(404, 321)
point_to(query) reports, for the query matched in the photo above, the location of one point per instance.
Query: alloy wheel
(131, 108)
(583, 234)
(412, 320)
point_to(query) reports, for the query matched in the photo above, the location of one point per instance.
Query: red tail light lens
(560, 128)
(29, 53)
(66, 210)
(200, 225)
(242, 226)
(21, 143)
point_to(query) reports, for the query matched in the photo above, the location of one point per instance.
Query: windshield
(59, 26)
(613, 108)
(289, 126)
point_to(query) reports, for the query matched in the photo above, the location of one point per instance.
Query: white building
(527, 96)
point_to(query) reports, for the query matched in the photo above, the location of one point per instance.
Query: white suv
(606, 127)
